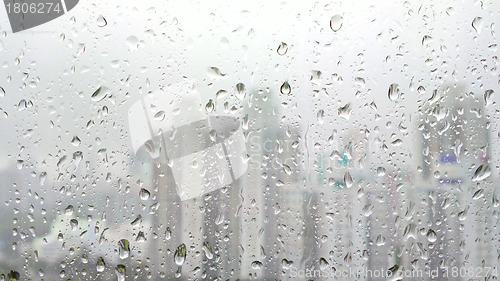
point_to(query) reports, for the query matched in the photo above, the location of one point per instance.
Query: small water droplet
(393, 92)
(348, 179)
(285, 88)
(488, 97)
(240, 91)
(210, 106)
(282, 49)
(215, 73)
(76, 141)
(74, 224)
(144, 194)
(257, 265)
(159, 116)
(69, 210)
(321, 116)
(101, 21)
(345, 111)
(100, 94)
(2, 92)
(478, 194)
(477, 24)
(336, 22)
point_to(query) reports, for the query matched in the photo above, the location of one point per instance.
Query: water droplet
(215, 73)
(100, 94)
(144, 194)
(74, 224)
(345, 111)
(76, 141)
(323, 264)
(478, 194)
(397, 142)
(481, 173)
(426, 40)
(2, 92)
(69, 210)
(180, 254)
(257, 265)
(282, 49)
(124, 248)
(220, 94)
(159, 116)
(321, 116)
(101, 21)
(13, 276)
(207, 248)
(100, 265)
(380, 240)
(394, 92)
(431, 236)
(488, 95)
(210, 106)
(140, 237)
(132, 42)
(285, 88)
(477, 24)
(348, 179)
(240, 91)
(336, 22)
(380, 171)
(120, 271)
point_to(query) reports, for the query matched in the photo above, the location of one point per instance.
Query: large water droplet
(285, 88)
(207, 249)
(124, 248)
(100, 265)
(180, 255)
(336, 22)
(120, 271)
(481, 173)
(431, 236)
(144, 194)
(393, 92)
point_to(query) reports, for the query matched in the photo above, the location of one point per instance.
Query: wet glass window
(222, 140)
